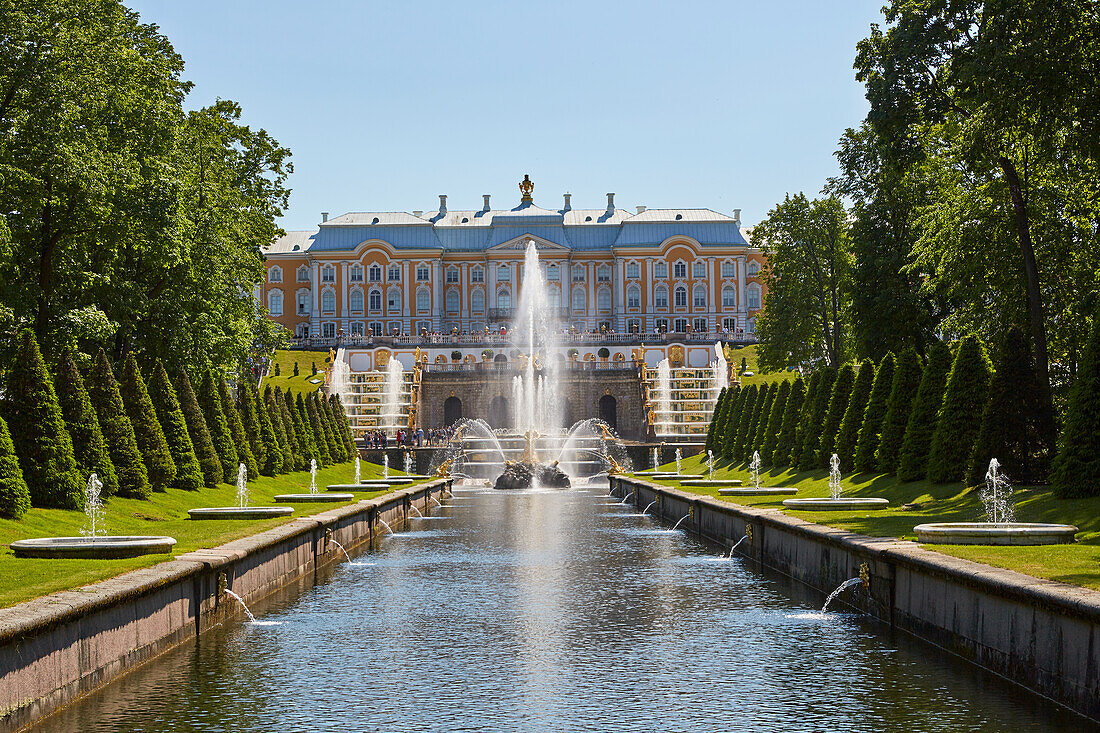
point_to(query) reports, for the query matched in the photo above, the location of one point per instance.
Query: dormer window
(355, 274)
(374, 220)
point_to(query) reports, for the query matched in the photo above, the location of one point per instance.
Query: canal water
(555, 611)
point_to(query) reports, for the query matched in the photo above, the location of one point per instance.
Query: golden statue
(529, 439)
(526, 188)
(444, 468)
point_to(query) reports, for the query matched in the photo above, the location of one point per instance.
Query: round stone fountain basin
(762, 491)
(312, 498)
(237, 512)
(660, 476)
(93, 548)
(357, 487)
(393, 480)
(988, 533)
(712, 482)
(835, 505)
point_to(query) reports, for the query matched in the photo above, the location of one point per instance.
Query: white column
(618, 313)
(315, 296)
(346, 292)
(437, 295)
(741, 309)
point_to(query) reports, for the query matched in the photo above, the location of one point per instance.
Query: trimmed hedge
(960, 415)
(236, 429)
(220, 434)
(760, 421)
(720, 405)
(15, 497)
(324, 457)
(869, 431)
(838, 404)
(1076, 470)
(209, 462)
(781, 456)
(307, 444)
(291, 429)
(174, 425)
(729, 424)
(118, 431)
(852, 421)
(343, 425)
(754, 395)
(913, 462)
(815, 421)
(774, 422)
(281, 437)
(903, 391)
(813, 388)
(89, 445)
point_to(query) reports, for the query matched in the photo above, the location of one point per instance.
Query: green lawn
(164, 514)
(286, 379)
(1078, 563)
(749, 354)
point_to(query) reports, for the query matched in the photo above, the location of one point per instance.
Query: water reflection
(551, 612)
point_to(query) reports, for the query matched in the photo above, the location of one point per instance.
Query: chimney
(610, 203)
(568, 204)
(417, 213)
(485, 206)
(737, 215)
(324, 216)
(442, 203)
(641, 209)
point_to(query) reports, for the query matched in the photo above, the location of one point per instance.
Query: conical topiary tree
(838, 404)
(1010, 430)
(1076, 469)
(323, 455)
(150, 436)
(343, 423)
(960, 415)
(272, 463)
(38, 430)
(118, 431)
(335, 451)
(903, 391)
(253, 430)
(89, 446)
(15, 497)
(853, 416)
(172, 422)
(276, 416)
(730, 421)
(760, 423)
(774, 423)
(813, 388)
(913, 462)
(781, 456)
(236, 428)
(220, 434)
(291, 433)
(748, 410)
(209, 461)
(307, 439)
(814, 421)
(715, 419)
(867, 442)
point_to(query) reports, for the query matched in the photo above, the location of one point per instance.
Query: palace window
(477, 300)
(699, 325)
(393, 328)
(303, 302)
(729, 297)
(393, 302)
(662, 325)
(603, 299)
(750, 325)
(303, 274)
(699, 269)
(423, 300)
(603, 274)
(753, 296)
(660, 269)
(355, 301)
(580, 301)
(729, 324)
(680, 269)
(355, 274)
(504, 274)
(275, 302)
(328, 330)
(633, 297)
(452, 274)
(727, 268)
(328, 274)
(422, 273)
(477, 275)
(634, 325)
(451, 301)
(355, 328)
(699, 297)
(275, 274)
(394, 275)
(660, 298)
(302, 330)
(553, 272)
(680, 297)
(375, 328)
(578, 273)
(375, 299)
(752, 269)
(375, 273)
(680, 325)
(328, 302)
(504, 299)
(632, 270)
(553, 298)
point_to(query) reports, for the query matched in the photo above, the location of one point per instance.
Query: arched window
(580, 301)
(451, 301)
(603, 299)
(752, 269)
(355, 273)
(680, 297)
(303, 274)
(275, 302)
(477, 300)
(375, 299)
(504, 299)
(275, 274)
(633, 297)
(393, 302)
(632, 270)
(355, 301)
(680, 269)
(660, 298)
(375, 273)
(328, 302)
(729, 297)
(553, 298)
(699, 297)
(753, 296)
(423, 300)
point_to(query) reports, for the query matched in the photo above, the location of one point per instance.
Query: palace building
(608, 270)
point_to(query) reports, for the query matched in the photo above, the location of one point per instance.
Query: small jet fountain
(313, 496)
(242, 510)
(836, 502)
(999, 527)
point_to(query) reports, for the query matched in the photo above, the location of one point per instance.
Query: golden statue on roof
(526, 188)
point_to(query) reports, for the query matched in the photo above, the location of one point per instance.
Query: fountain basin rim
(762, 491)
(364, 486)
(236, 512)
(712, 482)
(393, 480)
(989, 533)
(312, 498)
(93, 548)
(832, 505)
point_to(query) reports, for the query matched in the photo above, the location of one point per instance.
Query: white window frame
(275, 274)
(275, 302)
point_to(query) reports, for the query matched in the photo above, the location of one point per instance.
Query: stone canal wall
(61, 646)
(1038, 633)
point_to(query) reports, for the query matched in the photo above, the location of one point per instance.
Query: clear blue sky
(668, 104)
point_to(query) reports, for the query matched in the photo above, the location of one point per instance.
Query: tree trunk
(1034, 299)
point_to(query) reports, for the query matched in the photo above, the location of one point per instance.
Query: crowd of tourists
(419, 438)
